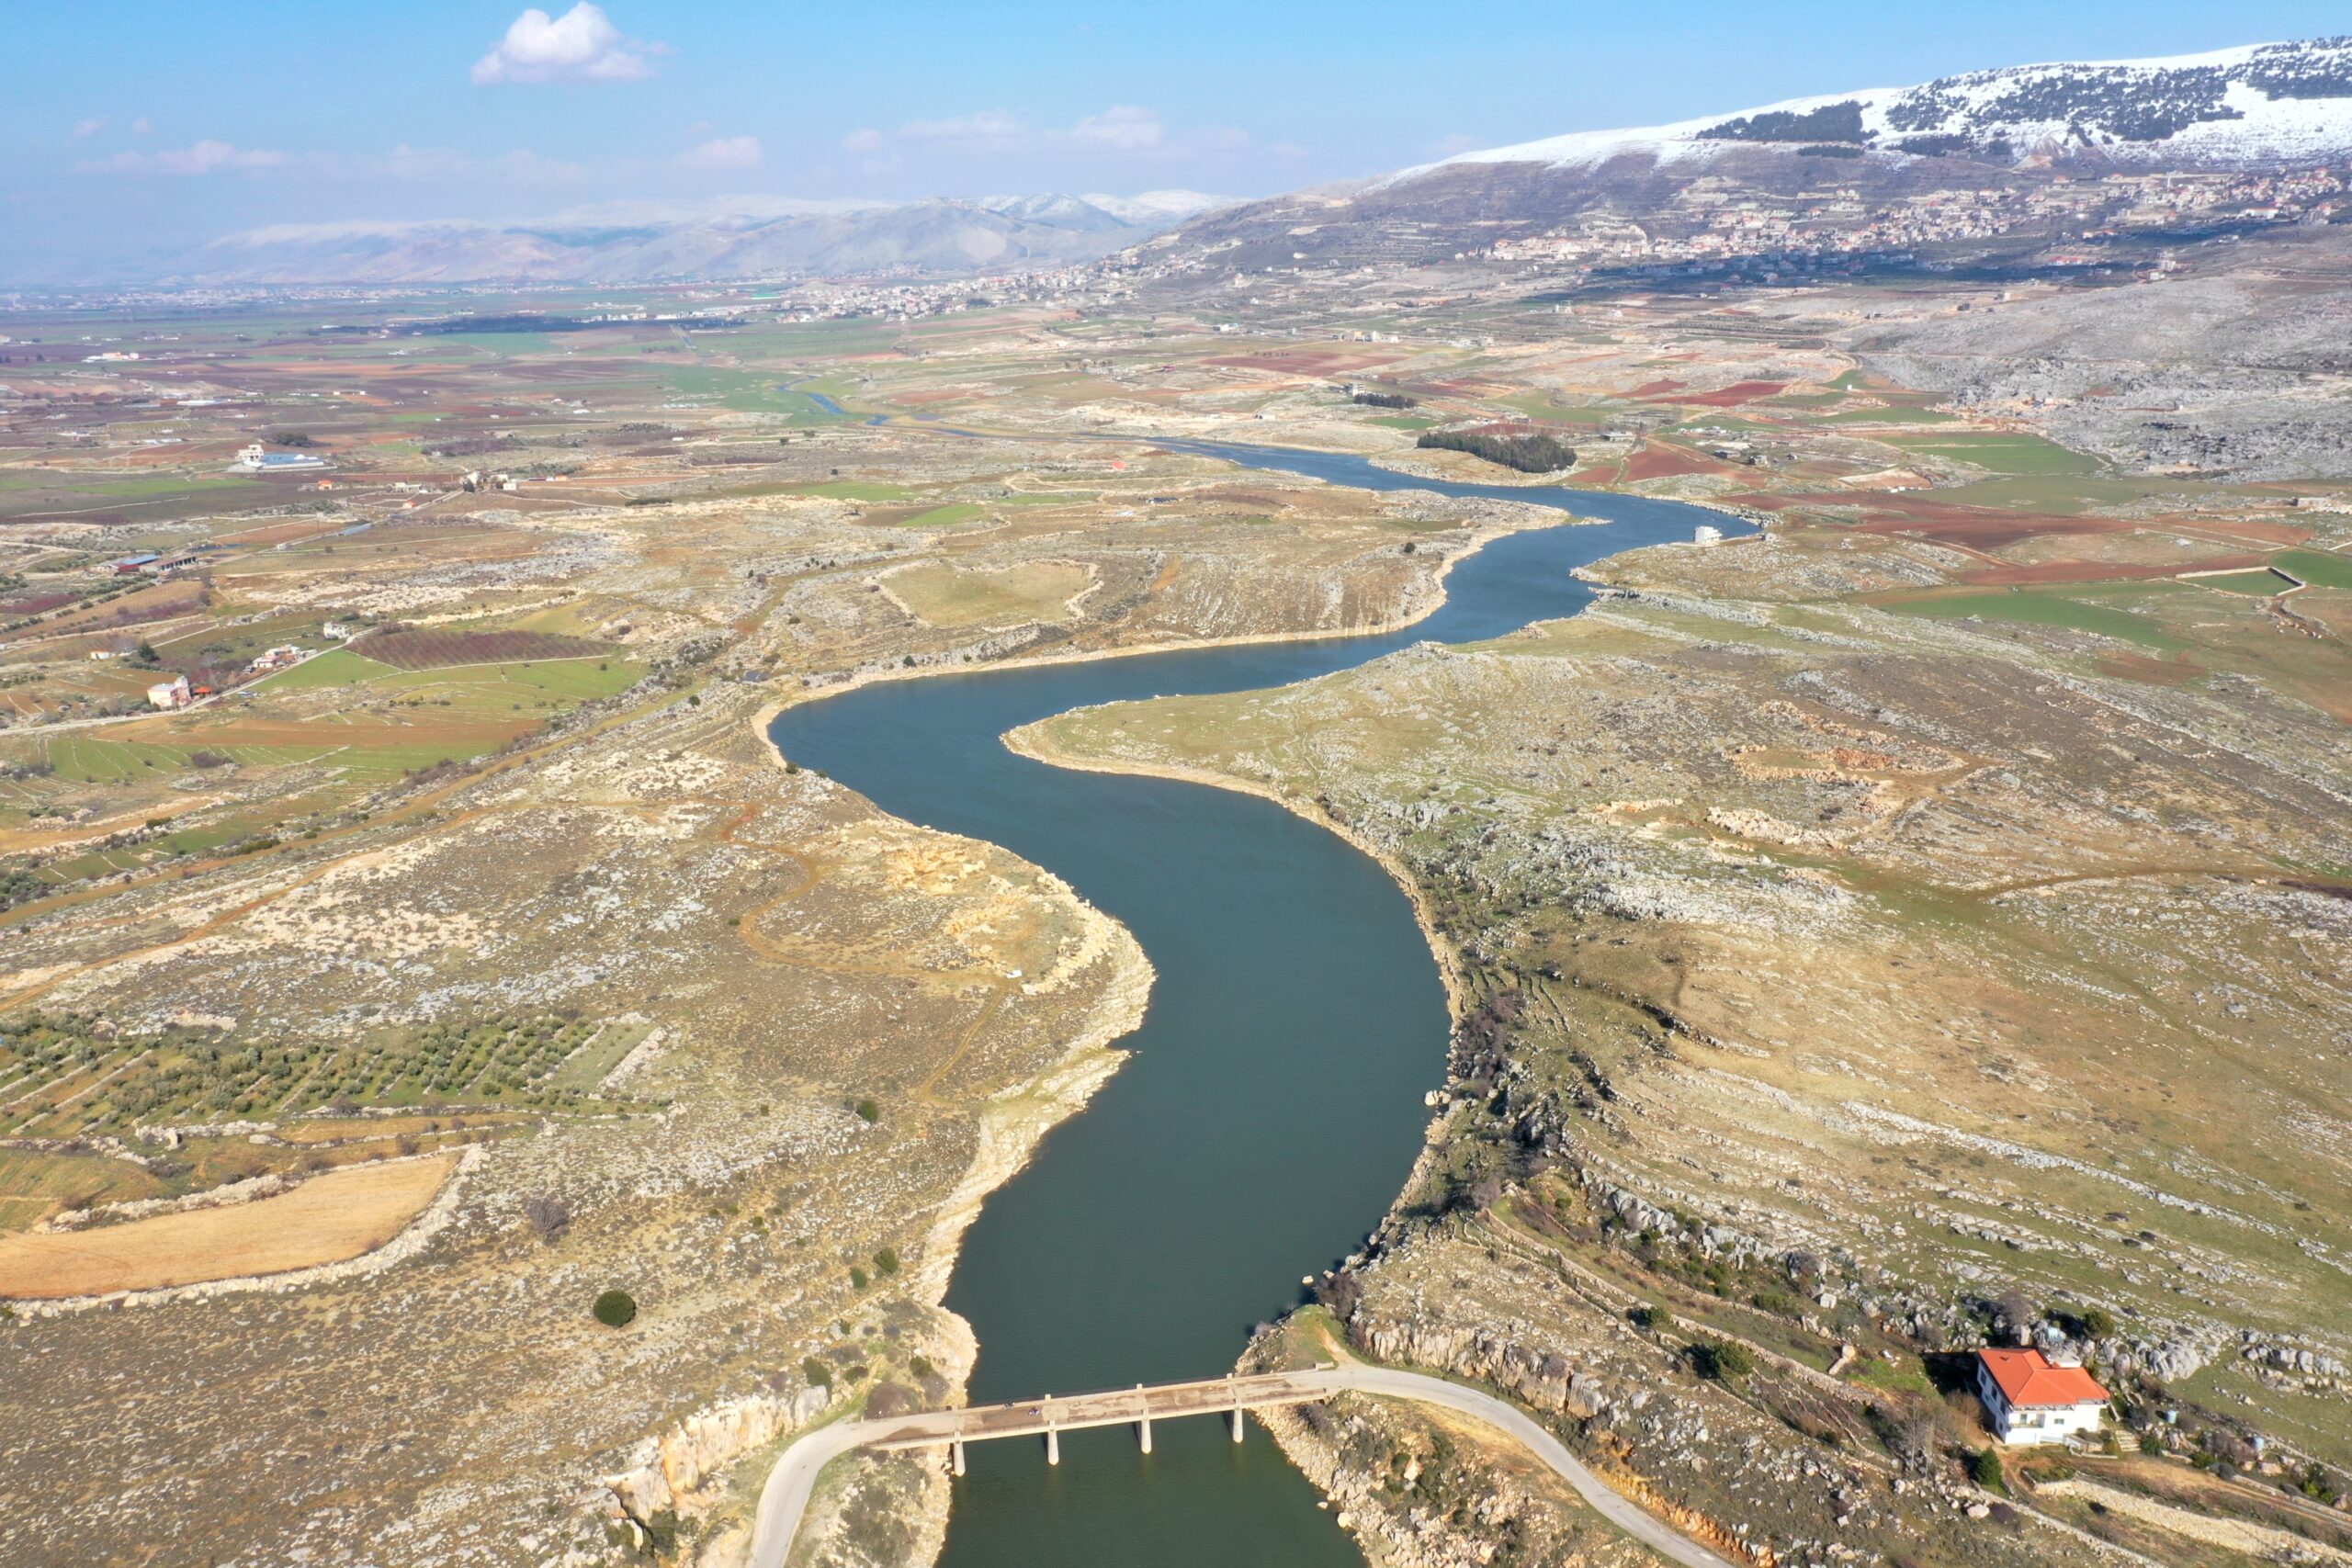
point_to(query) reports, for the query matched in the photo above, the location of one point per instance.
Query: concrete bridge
(786, 1495)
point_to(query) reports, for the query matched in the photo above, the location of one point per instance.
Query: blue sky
(143, 128)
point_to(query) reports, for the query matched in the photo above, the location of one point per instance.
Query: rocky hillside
(2023, 137)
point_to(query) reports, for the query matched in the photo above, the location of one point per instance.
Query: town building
(2030, 1399)
(171, 693)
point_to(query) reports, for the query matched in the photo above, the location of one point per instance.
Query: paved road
(785, 1496)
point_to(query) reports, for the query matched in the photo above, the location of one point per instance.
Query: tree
(1985, 1469)
(1656, 1319)
(886, 1262)
(615, 1309)
(147, 654)
(2015, 1314)
(868, 1111)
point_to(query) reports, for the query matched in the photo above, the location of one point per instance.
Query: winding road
(785, 1496)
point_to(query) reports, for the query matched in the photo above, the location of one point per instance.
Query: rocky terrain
(1828, 979)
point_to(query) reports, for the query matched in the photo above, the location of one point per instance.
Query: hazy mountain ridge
(644, 241)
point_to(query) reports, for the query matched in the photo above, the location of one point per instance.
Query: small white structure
(1707, 534)
(171, 693)
(338, 631)
(2029, 1399)
(255, 459)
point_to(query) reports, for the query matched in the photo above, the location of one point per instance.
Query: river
(1273, 1104)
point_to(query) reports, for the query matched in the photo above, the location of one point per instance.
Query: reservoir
(1272, 1106)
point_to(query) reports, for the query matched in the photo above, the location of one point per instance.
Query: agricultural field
(1795, 899)
(332, 1217)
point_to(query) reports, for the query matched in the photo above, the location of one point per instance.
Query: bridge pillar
(1237, 1422)
(1053, 1445)
(1143, 1434)
(956, 1455)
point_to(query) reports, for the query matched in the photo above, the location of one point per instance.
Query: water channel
(1273, 1104)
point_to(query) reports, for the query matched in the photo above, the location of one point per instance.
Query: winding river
(1273, 1104)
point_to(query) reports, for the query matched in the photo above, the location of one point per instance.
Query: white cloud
(581, 45)
(87, 128)
(1121, 128)
(142, 126)
(723, 152)
(866, 140)
(205, 157)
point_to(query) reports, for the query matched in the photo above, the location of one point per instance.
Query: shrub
(857, 1279)
(1724, 1360)
(868, 1111)
(2089, 1322)
(886, 1262)
(819, 1374)
(1656, 1319)
(547, 1216)
(1985, 1469)
(615, 1309)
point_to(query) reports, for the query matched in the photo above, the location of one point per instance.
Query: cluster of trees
(1531, 454)
(1387, 400)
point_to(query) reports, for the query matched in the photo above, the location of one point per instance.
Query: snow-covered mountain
(2258, 106)
(2261, 110)
(739, 237)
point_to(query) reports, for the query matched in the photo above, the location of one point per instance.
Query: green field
(336, 667)
(2321, 569)
(494, 686)
(2259, 583)
(859, 490)
(2023, 455)
(954, 514)
(2042, 607)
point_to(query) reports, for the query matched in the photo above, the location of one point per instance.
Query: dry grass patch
(328, 1219)
(950, 596)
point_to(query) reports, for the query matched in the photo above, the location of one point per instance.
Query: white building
(254, 459)
(2030, 1400)
(1707, 534)
(171, 693)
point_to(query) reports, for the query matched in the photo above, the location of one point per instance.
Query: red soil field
(1302, 363)
(1660, 462)
(1738, 392)
(436, 649)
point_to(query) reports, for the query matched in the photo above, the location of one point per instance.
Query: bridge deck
(1111, 1407)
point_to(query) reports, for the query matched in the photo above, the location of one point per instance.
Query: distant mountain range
(652, 241)
(2260, 108)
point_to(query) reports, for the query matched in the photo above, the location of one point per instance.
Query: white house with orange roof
(2029, 1399)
